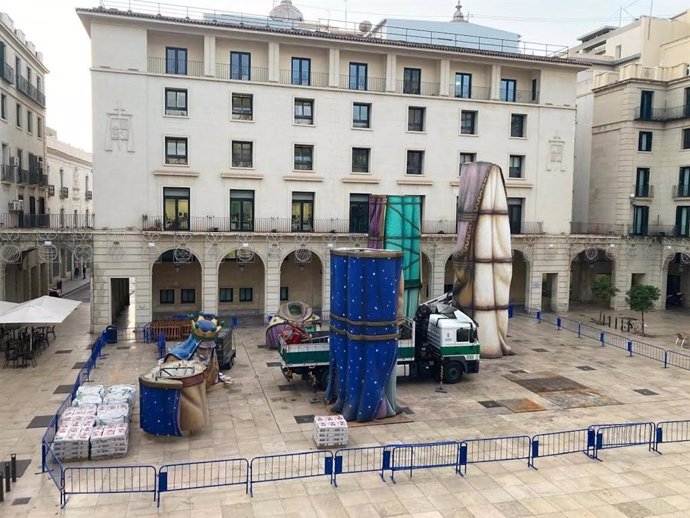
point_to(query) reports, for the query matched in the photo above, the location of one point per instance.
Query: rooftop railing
(335, 27)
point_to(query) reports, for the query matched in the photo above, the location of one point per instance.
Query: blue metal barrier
(197, 475)
(271, 468)
(569, 325)
(621, 342)
(623, 435)
(472, 451)
(108, 479)
(563, 443)
(408, 457)
(676, 359)
(671, 431)
(361, 460)
(53, 466)
(590, 331)
(650, 351)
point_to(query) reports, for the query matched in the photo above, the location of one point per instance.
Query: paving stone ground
(255, 417)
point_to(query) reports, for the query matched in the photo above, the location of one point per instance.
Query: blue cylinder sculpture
(365, 306)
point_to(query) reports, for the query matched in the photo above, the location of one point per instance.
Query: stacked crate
(330, 431)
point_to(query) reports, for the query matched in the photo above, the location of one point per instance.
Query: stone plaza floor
(259, 414)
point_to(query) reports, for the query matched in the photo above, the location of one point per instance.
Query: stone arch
(300, 280)
(520, 281)
(168, 280)
(676, 266)
(241, 282)
(585, 264)
(426, 292)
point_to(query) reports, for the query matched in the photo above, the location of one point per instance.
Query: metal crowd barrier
(671, 431)
(271, 468)
(409, 457)
(473, 451)
(196, 475)
(676, 359)
(108, 479)
(361, 460)
(623, 435)
(563, 443)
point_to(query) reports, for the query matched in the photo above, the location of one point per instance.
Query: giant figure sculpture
(482, 260)
(366, 298)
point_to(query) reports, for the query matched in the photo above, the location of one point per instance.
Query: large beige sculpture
(482, 259)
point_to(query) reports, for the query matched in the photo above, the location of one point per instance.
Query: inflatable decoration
(482, 260)
(366, 298)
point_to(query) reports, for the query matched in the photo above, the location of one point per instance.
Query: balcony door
(175, 61)
(359, 213)
(176, 208)
(686, 104)
(515, 214)
(683, 221)
(358, 76)
(302, 211)
(640, 221)
(642, 182)
(301, 71)
(242, 210)
(684, 182)
(646, 103)
(412, 81)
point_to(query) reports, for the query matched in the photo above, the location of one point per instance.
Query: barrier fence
(671, 431)
(563, 443)
(361, 460)
(409, 457)
(196, 475)
(288, 466)
(108, 480)
(494, 449)
(610, 436)
(668, 357)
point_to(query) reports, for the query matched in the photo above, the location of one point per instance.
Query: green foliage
(603, 288)
(642, 296)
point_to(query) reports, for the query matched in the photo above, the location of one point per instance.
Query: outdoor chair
(50, 330)
(27, 355)
(681, 339)
(11, 355)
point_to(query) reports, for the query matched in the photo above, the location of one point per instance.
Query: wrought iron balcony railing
(24, 86)
(578, 227)
(7, 72)
(7, 174)
(51, 221)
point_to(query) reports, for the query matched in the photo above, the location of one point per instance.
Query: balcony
(519, 96)
(416, 88)
(317, 79)
(482, 93)
(30, 90)
(644, 191)
(51, 190)
(174, 67)
(527, 227)
(34, 177)
(614, 229)
(7, 72)
(7, 173)
(22, 176)
(49, 221)
(681, 191)
(369, 84)
(64, 193)
(42, 179)
(88, 195)
(663, 114)
(256, 74)
(654, 231)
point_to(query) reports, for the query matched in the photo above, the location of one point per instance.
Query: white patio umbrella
(43, 310)
(6, 306)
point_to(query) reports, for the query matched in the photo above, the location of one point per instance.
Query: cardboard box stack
(330, 430)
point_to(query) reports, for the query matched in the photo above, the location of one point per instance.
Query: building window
(176, 101)
(175, 61)
(242, 154)
(29, 121)
(246, 294)
(468, 122)
(284, 293)
(415, 118)
(516, 166)
(642, 182)
(463, 85)
(304, 157)
(242, 210)
(225, 295)
(644, 141)
(683, 183)
(686, 138)
(304, 111)
(242, 107)
(508, 90)
(167, 296)
(175, 151)
(187, 296)
(412, 81)
(176, 208)
(19, 115)
(517, 125)
(3, 106)
(358, 76)
(515, 214)
(640, 220)
(360, 159)
(686, 102)
(301, 71)
(302, 211)
(683, 221)
(240, 66)
(535, 91)
(39, 127)
(415, 162)
(646, 104)
(361, 113)
(359, 213)
(466, 158)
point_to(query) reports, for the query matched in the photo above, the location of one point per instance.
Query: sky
(58, 33)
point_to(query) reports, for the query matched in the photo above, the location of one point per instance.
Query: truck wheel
(452, 372)
(322, 377)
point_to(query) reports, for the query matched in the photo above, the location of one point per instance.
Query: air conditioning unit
(16, 205)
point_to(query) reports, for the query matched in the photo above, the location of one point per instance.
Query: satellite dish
(365, 26)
